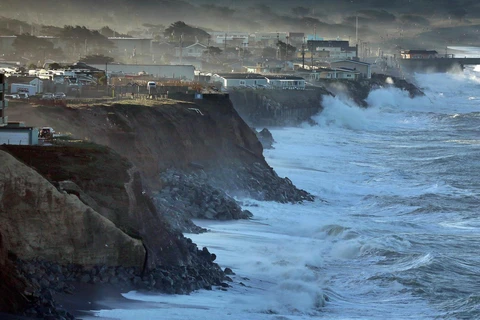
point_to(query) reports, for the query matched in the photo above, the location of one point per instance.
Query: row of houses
(254, 80)
(345, 69)
(148, 48)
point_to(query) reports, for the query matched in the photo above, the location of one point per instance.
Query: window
(242, 82)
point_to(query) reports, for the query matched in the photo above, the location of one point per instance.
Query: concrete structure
(18, 135)
(286, 82)
(364, 68)
(180, 72)
(231, 80)
(31, 85)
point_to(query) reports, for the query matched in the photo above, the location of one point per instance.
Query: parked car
(46, 133)
(12, 96)
(60, 95)
(48, 96)
(23, 95)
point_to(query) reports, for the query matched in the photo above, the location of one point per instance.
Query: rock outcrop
(111, 186)
(358, 91)
(36, 220)
(207, 136)
(266, 138)
(12, 287)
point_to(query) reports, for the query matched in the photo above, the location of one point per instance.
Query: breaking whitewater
(394, 231)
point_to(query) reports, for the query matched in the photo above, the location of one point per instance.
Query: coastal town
(181, 60)
(183, 159)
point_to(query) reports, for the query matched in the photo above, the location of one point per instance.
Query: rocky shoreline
(48, 280)
(293, 107)
(143, 173)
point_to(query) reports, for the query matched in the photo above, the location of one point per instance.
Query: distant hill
(390, 23)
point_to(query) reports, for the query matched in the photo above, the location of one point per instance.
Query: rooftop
(240, 76)
(284, 77)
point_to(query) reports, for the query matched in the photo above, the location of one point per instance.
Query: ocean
(394, 232)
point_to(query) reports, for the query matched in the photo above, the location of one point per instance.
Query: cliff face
(157, 137)
(277, 107)
(207, 135)
(37, 221)
(292, 107)
(107, 183)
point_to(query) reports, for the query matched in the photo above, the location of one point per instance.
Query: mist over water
(393, 232)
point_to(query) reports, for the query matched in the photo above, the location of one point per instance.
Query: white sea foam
(358, 235)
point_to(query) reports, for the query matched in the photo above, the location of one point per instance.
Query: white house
(194, 50)
(28, 82)
(364, 68)
(329, 73)
(286, 82)
(231, 80)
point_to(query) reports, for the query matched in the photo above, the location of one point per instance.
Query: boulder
(266, 138)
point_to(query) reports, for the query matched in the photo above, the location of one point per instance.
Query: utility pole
(208, 49)
(303, 53)
(225, 44)
(356, 29)
(181, 48)
(311, 56)
(279, 55)
(286, 53)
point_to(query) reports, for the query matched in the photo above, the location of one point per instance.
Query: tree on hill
(97, 59)
(15, 26)
(55, 66)
(154, 29)
(180, 29)
(108, 32)
(85, 41)
(213, 51)
(50, 31)
(35, 49)
(286, 51)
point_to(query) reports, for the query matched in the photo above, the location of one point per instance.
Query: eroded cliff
(37, 221)
(207, 136)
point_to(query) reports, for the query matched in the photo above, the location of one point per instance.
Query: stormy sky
(427, 22)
